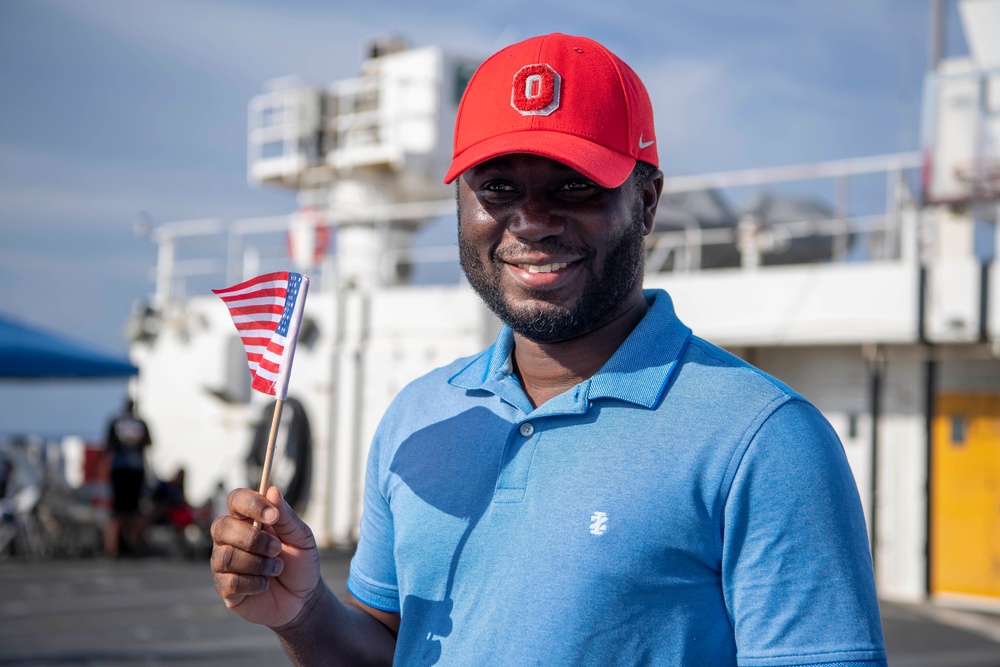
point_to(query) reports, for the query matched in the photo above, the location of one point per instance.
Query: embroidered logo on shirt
(599, 523)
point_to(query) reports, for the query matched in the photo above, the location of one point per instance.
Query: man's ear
(651, 199)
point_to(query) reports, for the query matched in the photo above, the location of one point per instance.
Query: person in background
(169, 503)
(600, 486)
(127, 440)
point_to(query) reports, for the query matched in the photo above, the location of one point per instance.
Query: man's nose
(535, 219)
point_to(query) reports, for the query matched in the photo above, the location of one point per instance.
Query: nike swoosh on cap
(645, 144)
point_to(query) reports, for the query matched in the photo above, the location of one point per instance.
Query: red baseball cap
(563, 97)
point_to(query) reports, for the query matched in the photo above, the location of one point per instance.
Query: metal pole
(876, 369)
(938, 33)
(930, 388)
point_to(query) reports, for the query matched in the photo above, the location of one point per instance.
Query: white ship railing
(195, 255)
(681, 250)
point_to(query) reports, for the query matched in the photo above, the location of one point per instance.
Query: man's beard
(623, 268)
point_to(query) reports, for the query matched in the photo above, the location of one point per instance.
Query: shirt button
(527, 429)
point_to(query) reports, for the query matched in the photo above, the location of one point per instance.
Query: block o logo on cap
(536, 90)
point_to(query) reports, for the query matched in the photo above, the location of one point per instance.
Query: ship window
(959, 429)
(463, 73)
(272, 149)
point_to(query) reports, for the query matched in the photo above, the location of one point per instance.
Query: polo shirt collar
(638, 372)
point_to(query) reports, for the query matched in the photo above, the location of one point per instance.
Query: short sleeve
(796, 567)
(372, 578)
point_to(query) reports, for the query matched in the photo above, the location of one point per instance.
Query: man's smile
(544, 268)
(546, 273)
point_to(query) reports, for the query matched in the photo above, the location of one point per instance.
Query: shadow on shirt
(452, 465)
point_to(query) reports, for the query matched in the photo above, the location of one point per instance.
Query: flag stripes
(266, 311)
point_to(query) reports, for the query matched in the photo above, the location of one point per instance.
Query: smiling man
(599, 487)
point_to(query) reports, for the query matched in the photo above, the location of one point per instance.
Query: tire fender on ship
(291, 469)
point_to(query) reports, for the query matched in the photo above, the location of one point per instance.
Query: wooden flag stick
(265, 474)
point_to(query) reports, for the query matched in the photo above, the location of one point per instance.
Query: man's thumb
(289, 527)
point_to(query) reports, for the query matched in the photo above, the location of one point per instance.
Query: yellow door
(965, 499)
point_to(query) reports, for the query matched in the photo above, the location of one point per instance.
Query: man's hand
(265, 575)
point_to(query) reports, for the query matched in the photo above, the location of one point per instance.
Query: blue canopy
(30, 352)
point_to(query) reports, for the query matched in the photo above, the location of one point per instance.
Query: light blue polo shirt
(678, 508)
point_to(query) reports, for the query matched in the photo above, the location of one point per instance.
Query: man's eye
(497, 186)
(579, 186)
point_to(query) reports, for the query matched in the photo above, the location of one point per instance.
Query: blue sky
(116, 107)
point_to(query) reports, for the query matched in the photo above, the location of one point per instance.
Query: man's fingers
(272, 511)
(228, 559)
(230, 531)
(248, 504)
(234, 588)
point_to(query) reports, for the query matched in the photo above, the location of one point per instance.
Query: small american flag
(267, 311)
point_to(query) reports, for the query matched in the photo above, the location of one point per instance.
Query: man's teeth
(544, 268)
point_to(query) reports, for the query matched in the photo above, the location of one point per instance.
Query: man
(125, 449)
(599, 487)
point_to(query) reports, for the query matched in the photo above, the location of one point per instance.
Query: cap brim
(602, 165)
